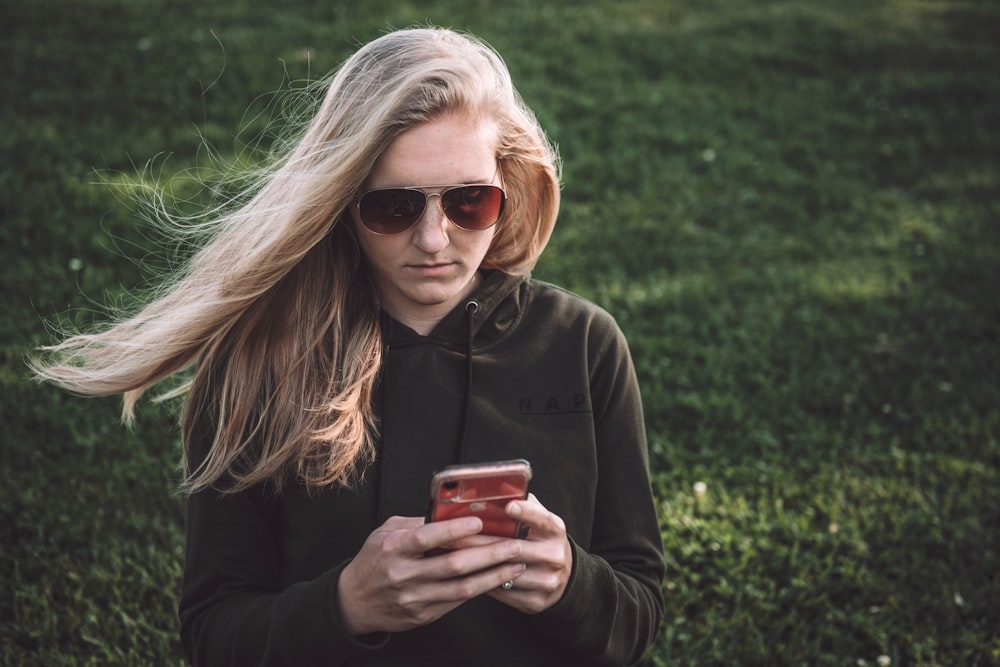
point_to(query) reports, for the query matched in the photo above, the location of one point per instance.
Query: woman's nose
(431, 233)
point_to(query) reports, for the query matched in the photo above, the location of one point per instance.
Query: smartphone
(483, 490)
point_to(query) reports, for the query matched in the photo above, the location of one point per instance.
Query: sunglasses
(394, 210)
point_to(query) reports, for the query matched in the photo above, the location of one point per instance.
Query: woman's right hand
(393, 585)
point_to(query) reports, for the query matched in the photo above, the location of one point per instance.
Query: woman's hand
(547, 554)
(393, 585)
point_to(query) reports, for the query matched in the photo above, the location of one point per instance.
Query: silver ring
(507, 585)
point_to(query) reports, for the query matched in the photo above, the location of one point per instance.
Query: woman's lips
(432, 270)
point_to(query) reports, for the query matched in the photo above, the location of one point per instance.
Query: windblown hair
(277, 313)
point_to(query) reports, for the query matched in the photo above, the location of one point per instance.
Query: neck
(423, 320)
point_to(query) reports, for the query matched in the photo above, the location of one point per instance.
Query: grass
(791, 207)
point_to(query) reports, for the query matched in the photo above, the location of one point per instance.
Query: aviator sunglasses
(393, 210)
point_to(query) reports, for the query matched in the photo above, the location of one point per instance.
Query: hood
(499, 300)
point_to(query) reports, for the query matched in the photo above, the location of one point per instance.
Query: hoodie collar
(500, 308)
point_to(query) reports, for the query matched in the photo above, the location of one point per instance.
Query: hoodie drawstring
(471, 308)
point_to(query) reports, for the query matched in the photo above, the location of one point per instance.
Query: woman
(363, 319)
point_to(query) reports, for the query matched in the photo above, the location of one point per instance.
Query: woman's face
(426, 270)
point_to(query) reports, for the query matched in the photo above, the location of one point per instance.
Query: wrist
(347, 607)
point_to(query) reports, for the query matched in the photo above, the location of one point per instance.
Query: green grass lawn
(791, 207)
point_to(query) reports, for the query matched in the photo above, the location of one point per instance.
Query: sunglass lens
(473, 207)
(391, 211)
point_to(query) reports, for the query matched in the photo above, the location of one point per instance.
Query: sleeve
(233, 610)
(613, 604)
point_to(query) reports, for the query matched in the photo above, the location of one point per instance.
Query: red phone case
(483, 490)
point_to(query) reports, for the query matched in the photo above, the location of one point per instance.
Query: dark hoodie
(552, 382)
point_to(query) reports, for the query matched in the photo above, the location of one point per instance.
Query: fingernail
(514, 549)
(514, 510)
(474, 525)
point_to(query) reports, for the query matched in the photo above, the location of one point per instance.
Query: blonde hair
(277, 311)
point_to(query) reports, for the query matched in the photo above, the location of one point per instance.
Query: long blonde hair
(277, 312)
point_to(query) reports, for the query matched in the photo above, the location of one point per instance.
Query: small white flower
(75, 264)
(708, 155)
(700, 488)
(959, 600)
(883, 661)
(834, 528)
(861, 662)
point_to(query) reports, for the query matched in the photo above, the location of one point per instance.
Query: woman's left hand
(547, 554)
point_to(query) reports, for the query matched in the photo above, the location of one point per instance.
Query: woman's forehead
(450, 149)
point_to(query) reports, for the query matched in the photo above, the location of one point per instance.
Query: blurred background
(791, 208)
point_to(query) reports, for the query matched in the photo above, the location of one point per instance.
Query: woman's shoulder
(555, 305)
(557, 297)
